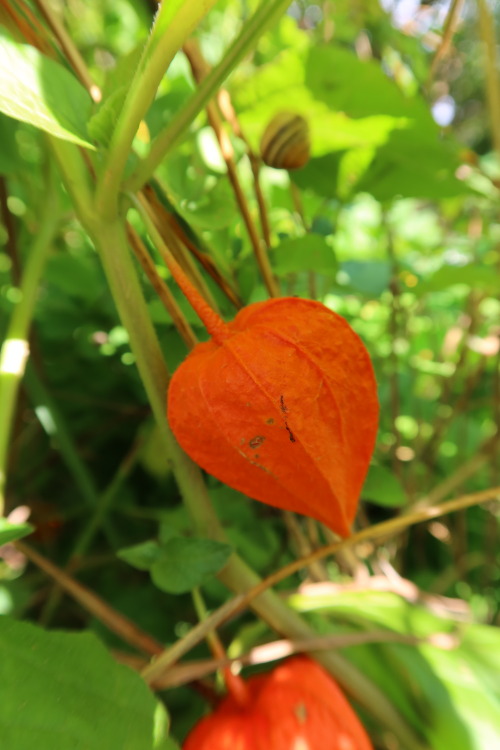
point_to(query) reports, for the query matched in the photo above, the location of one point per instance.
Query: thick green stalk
(173, 24)
(15, 348)
(265, 16)
(110, 239)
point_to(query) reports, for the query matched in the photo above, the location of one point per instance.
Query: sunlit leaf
(37, 90)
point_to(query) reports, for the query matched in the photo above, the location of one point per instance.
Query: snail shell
(285, 143)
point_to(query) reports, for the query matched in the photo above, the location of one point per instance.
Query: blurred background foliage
(394, 224)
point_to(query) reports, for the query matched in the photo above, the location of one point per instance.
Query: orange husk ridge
(296, 705)
(279, 404)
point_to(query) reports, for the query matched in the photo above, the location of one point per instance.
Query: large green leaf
(64, 690)
(412, 159)
(360, 88)
(281, 86)
(37, 90)
(471, 275)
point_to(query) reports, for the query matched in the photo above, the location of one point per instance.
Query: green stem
(15, 348)
(173, 24)
(110, 239)
(265, 16)
(488, 37)
(71, 161)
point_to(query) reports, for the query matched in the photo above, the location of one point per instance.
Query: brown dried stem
(450, 26)
(199, 69)
(227, 109)
(162, 290)
(115, 621)
(69, 48)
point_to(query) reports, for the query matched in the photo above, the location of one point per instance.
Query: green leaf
(370, 277)
(471, 275)
(308, 253)
(383, 488)
(412, 160)
(281, 85)
(64, 690)
(101, 125)
(37, 90)
(410, 167)
(186, 563)
(9, 532)
(360, 88)
(141, 556)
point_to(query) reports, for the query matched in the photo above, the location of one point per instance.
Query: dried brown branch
(115, 621)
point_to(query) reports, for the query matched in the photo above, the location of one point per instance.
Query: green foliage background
(393, 224)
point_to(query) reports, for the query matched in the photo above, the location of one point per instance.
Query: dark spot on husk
(256, 441)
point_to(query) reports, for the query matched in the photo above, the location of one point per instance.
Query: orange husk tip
(296, 706)
(281, 404)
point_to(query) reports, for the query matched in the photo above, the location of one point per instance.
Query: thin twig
(240, 602)
(227, 109)
(383, 530)
(393, 326)
(163, 216)
(69, 48)
(165, 295)
(115, 621)
(450, 26)
(157, 214)
(455, 480)
(29, 27)
(174, 676)
(199, 69)
(303, 545)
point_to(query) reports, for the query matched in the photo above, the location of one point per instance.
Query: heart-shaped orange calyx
(281, 404)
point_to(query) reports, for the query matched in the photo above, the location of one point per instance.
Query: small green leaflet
(308, 253)
(177, 564)
(383, 488)
(9, 532)
(39, 91)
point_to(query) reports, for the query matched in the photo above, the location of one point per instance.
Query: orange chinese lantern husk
(281, 405)
(297, 706)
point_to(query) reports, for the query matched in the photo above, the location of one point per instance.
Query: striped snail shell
(285, 143)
